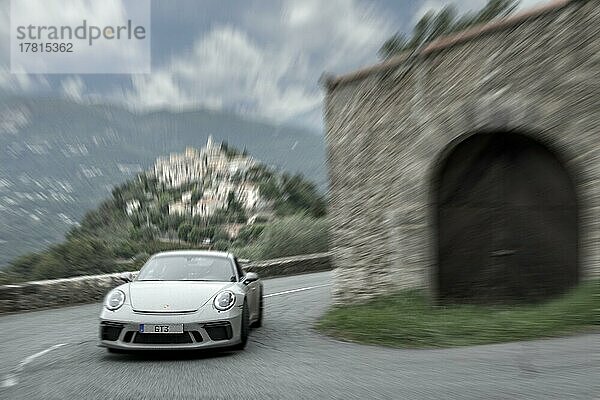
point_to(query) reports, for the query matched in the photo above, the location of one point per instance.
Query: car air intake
(197, 336)
(162, 338)
(110, 330)
(128, 336)
(219, 330)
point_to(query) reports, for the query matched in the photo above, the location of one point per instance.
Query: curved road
(45, 357)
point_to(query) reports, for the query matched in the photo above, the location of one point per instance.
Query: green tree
(232, 203)
(183, 231)
(221, 245)
(80, 256)
(137, 219)
(299, 195)
(125, 249)
(249, 233)
(269, 189)
(145, 233)
(435, 24)
(208, 232)
(24, 265)
(163, 203)
(197, 234)
(196, 196)
(220, 234)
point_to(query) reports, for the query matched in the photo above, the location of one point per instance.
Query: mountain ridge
(59, 158)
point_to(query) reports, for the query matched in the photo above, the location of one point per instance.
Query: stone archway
(506, 221)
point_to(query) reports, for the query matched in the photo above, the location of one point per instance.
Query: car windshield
(187, 268)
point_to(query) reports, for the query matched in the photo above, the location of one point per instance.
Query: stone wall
(303, 264)
(89, 289)
(388, 126)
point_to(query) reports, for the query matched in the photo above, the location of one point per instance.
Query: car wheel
(244, 328)
(258, 322)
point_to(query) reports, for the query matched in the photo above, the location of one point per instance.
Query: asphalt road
(285, 359)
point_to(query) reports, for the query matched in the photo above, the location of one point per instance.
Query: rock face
(388, 128)
(89, 289)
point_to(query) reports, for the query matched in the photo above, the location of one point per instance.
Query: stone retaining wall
(88, 289)
(291, 265)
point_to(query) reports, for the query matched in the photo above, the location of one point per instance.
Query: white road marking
(13, 378)
(296, 290)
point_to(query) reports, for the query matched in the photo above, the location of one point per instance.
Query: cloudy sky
(261, 58)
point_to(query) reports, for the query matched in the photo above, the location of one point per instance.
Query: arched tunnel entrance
(506, 221)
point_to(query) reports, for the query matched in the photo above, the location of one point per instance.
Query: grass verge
(406, 319)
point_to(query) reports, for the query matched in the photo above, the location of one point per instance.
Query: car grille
(110, 330)
(162, 338)
(219, 330)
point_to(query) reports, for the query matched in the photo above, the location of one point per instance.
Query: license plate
(161, 328)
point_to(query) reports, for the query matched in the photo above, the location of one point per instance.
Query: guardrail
(88, 289)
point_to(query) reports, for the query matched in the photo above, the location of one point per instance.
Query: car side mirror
(250, 277)
(129, 277)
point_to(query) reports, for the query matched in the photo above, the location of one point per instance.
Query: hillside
(216, 197)
(60, 159)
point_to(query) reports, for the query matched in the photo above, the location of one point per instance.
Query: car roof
(192, 253)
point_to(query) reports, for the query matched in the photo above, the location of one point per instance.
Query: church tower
(210, 143)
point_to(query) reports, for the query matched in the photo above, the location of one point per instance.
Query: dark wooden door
(507, 221)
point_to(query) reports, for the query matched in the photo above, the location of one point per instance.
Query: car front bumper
(201, 330)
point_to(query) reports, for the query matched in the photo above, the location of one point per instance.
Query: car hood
(172, 296)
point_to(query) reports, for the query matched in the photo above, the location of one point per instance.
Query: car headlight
(224, 300)
(114, 300)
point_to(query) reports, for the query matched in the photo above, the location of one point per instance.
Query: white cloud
(267, 64)
(277, 76)
(226, 69)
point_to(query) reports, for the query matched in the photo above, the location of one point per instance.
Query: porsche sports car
(183, 300)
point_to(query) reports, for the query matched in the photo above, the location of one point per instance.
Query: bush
(221, 245)
(125, 249)
(249, 233)
(198, 234)
(183, 231)
(250, 252)
(81, 256)
(145, 233)
(289, 236)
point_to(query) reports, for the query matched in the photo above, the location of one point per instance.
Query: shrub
(221, 245)
(291, 236)
(183, 231)
(249, 233)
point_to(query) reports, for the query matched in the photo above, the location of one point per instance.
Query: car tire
(244, 328)
(258, 322)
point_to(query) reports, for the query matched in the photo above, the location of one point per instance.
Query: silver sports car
(183, 300)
